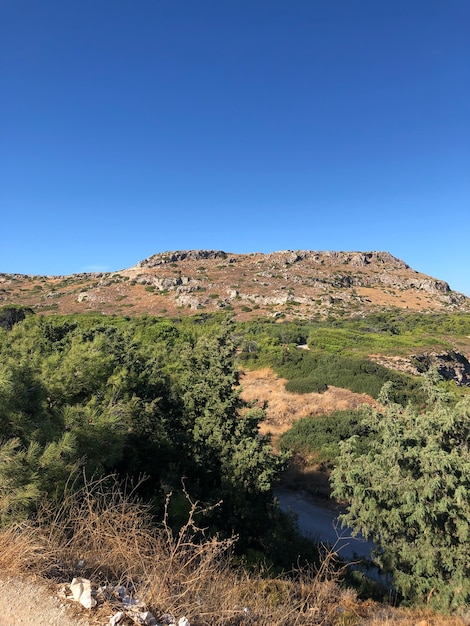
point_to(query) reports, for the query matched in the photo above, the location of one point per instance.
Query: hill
(113, 394)
(289, 284)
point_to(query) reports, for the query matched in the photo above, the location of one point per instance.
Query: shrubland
(401, 467)
(318, 438)
(149, 397)
(102, 531)
(338, 351)
(156, 402)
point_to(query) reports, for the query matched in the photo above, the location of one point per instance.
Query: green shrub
(11, 315)
(305, 385)
(409, 493)
(319, 437)
(357, 374)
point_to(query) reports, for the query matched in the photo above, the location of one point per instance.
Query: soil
(266, 389)
(34, 602)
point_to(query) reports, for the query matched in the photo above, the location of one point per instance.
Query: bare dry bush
(103, 532)
(192, 571)
(22, 549)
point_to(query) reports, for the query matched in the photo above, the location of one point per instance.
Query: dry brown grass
(284, 408)
(104, 533)
(265, 388)
(22, 550)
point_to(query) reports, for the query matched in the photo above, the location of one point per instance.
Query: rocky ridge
(450, 365)
(290, 284)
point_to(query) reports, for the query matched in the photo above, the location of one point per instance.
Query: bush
(305, 385)
(104, 533)
(11, 315)
(409, 492)
(357, 374)
(320, 436)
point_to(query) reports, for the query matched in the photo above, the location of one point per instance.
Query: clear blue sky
(131, 127)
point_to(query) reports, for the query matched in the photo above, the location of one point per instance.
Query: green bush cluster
(145, 397)
(319, 437)
(357, 374)
(305, 385)
(409, 491)
(339, 351)
(87, 395)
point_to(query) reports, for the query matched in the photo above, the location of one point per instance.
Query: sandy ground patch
(285, 408)
(33, 602)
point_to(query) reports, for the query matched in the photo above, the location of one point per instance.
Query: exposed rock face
(450, 365)
(423, 283)
(290, 284)
(356, 259)
(162, 284)
(181, 255)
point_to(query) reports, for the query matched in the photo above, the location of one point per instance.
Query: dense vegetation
(409, 491)
(390, 333)
(339, 350)
(318, 438)
(147, 397)
(405, 469)
(87, 396)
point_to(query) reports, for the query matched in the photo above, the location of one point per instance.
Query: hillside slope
(288, 284)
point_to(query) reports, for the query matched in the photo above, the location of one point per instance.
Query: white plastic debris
(183, 621)
(132, 603)
(81, 592)
(128, 601)
(146, 618)
(115, 619)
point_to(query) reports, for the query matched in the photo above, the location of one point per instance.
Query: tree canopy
(410, 493)
(146, 397)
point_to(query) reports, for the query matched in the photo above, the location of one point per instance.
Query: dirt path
(25, 602)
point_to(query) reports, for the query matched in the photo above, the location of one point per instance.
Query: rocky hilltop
(299, 284)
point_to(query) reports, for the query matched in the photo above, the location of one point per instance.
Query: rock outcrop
(450, 365)
(288, 284)
(181, 255)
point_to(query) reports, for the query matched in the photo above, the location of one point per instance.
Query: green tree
(11, 315)
(223, 454)
(410, 493)
(224, 438)
(27, 474)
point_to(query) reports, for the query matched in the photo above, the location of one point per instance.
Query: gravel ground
(33, 603)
